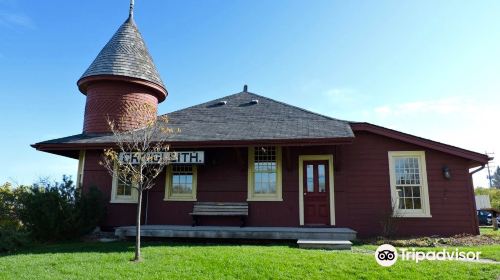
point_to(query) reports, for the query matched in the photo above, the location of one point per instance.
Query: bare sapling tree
(139, 156)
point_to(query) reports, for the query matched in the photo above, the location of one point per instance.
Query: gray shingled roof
(125, 54)
(240, 120)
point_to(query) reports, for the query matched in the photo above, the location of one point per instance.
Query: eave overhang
(475, 158)
(65, 149)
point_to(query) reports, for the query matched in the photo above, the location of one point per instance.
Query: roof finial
(131, 11)
(245, 88)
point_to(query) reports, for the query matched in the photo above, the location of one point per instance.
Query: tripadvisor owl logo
(386, 255)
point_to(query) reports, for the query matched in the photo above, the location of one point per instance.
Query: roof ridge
(296, 107)
(204, 103)
(260, 96)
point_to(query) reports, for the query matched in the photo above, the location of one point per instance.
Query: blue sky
(429, 68)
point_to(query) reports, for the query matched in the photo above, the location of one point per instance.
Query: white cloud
(16, 20)
(462, 121)
(444, 106)
(383, 111)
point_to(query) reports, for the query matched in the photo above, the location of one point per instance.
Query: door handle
(305, 193)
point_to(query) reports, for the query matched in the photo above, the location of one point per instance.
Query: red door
(316, 190)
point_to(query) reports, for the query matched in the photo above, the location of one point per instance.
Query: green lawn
(491, 252)
(489, 231)
(197, 261)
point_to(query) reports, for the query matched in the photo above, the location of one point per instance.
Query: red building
(293, 167)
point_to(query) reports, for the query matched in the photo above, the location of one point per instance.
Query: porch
(223, 232)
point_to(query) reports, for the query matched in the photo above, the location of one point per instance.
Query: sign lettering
(184, 157)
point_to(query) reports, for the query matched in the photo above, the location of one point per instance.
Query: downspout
(476, 222)
(478, 169)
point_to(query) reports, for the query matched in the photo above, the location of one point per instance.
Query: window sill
(179, 199)
(265, 199)
(122, 201)
(408, 215)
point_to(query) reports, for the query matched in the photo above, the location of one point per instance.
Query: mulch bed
(436, 241)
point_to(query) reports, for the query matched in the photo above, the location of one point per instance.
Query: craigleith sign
(193, 157)
(184, 157)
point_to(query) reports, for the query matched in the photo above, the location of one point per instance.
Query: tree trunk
(137, 256)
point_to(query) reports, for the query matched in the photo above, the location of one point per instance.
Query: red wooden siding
(362, 190)
(361, 183)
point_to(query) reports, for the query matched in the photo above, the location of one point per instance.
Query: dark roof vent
(254, 101)
(245, 88)
(222, 102)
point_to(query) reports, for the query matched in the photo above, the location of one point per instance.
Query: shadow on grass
(128, 245)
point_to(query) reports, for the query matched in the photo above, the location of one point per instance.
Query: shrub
(90, 210)
(58, 211)
(12, 235)
(11, 239)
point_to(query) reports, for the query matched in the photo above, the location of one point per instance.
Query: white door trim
(303, 158)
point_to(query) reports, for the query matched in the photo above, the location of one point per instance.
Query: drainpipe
(478, 169)
(476, 224)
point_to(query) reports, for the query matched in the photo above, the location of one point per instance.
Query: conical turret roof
(126, 55)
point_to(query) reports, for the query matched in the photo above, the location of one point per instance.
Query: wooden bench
(220, 209)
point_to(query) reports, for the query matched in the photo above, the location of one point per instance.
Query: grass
(491, 252)
(200, 261)
(488, 231)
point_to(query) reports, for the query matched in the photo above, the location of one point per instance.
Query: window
(409, 189)
(264, 173)
(122, 189)
(180, 183)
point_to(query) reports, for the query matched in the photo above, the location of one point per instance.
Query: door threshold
(317, 225)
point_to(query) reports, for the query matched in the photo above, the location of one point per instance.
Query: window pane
(408, 183)
(265, 170)
(401, 203)
(124, 185)
(417, 203)
(120, 189)
(416, 191)
(128, 189)
(310, 178)
(321, 177)
(258, 182)
(407, 171)
(408, 203)
(182, 179)
(272, 184)
(399, 190)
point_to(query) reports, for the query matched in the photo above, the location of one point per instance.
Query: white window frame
(115, 198)
(425, 212)
(252, 196)
(170, 196)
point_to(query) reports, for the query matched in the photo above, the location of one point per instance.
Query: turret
(120, 81)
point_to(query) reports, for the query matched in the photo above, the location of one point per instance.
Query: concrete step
(324, 244)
